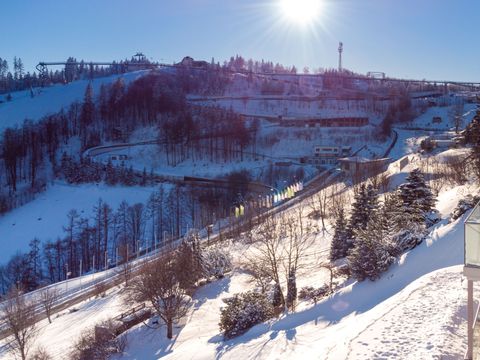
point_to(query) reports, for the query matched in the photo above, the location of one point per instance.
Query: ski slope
(44, 217)
(52, 99)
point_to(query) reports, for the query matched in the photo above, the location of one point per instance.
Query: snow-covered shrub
(408, 237)
(216, 262)
(243, 311)
(464, 205)
(314, 294)
(40, 354)
(98, 343)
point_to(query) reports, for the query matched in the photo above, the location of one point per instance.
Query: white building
(328, 155)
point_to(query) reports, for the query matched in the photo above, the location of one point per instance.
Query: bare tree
(48, 299)
(125, 267)
(19, 315)
(319, 203)
(338, 200)
(455, 115)
(158, 284)
(269, 247)
(281, 244)
(330, 267)
(257, 269)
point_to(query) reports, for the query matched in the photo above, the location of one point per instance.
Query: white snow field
(44, 217)
(51, 99)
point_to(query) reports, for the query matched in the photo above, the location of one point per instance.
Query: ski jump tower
(471, 270)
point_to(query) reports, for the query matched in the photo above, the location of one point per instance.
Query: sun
(302, 12)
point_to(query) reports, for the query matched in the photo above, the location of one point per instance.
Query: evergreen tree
(276, 297)
(339, 246)
(291, 289)
(405, 227)
(110, 174)
(472, 136)
(87, 113)
(364, 205)
(416, 196)
(370, 256)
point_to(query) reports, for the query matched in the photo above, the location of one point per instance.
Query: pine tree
(416, 195)
(472, 136)
(291, 289)
(276, 297)
(339, 246)
(364, 205)
(405, 226)
(370, 256)
(87, 113)
(110, 174)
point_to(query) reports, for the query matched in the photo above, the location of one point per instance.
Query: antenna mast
(340, 50)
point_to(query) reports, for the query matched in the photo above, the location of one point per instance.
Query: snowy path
(410, 328)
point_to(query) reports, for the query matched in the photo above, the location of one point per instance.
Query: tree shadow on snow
(211, 291)
(433, 254)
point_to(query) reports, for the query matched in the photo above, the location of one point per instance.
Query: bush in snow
(243, 311)
(314, 294)
(40, 354)
(408, 237)
(98, 343)
(216, 262)
(464, 205)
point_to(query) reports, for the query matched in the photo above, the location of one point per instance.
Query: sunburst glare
(302, 12)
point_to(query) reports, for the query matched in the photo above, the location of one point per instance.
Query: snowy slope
(415, 311)
(51, 99)
(44, 217)
(362, 321)
(355, 323)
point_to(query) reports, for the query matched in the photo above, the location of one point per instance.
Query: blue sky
(432, 39)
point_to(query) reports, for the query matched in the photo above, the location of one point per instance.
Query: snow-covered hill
(51, 99)
(416, 310)
(45, 217)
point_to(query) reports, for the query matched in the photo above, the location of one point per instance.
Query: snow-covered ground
(51, 99)
(44, 217)
(416, 310)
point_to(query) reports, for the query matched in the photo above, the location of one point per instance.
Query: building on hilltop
(327, 155)
(188, 61)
